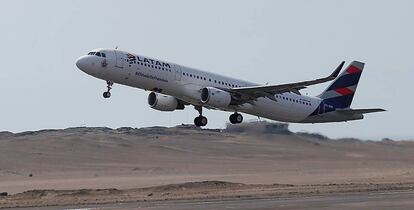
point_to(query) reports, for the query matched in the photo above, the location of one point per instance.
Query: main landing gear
(200, 120)
(236, 118)
(109, 84)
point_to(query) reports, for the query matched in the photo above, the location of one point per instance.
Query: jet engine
(163, 102)
(215, 97)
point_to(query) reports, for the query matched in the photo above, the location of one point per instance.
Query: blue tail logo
(340, 93)
(342, 90)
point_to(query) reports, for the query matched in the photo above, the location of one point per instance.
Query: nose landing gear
(236, 118)
(200, 120)
(109, 84)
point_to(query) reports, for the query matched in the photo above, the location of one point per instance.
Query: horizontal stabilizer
(359, 111)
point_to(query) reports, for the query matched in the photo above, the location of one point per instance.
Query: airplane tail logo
(341, 92)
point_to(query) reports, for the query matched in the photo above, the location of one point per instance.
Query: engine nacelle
(215, 97)
(163, 102)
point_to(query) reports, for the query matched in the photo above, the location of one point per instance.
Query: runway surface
(378, 200)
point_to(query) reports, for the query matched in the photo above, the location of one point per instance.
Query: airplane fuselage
(185, 84)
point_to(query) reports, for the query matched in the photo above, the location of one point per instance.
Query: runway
(378, 200)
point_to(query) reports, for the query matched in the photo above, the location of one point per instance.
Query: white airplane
(174, 86)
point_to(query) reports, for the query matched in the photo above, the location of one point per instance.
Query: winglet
(337, 70)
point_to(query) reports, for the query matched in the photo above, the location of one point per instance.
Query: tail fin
(341, 92)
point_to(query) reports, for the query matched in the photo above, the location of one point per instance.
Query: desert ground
(86, 165)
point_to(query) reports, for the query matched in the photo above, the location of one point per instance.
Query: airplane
(173, 87)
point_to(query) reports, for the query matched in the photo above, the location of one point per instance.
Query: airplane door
(119, 59)
(178, 73)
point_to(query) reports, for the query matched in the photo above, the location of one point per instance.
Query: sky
(264, 41)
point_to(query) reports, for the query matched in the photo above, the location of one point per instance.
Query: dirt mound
(197, 185)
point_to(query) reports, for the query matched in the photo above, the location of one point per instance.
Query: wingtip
(378, 110)
(338, 69)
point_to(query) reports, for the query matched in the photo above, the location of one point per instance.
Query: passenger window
(103, 55)
(98, 54)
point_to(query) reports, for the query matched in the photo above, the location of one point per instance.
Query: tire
(200, 121)
(107, 94)
(203, 121)
(197, 122)
(232, 119)
(239, 118)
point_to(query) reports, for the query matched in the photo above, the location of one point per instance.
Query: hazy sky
(263, 41)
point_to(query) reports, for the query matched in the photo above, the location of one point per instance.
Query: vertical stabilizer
(341, 91)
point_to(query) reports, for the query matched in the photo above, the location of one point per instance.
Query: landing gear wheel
(203, 121)
(109, 84)
(200, 121)
(232, 119)
(107, 94)
(236, 118)
(239, 118)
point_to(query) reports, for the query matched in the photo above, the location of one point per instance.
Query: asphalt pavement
(378, 200)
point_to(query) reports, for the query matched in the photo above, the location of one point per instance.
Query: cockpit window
(100, 54)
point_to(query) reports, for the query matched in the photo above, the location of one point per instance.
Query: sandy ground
(128, 163)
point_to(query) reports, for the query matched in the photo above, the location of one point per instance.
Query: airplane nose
(81, 63)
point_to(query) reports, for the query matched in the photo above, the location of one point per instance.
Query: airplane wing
(269, 91)
(359, 111)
